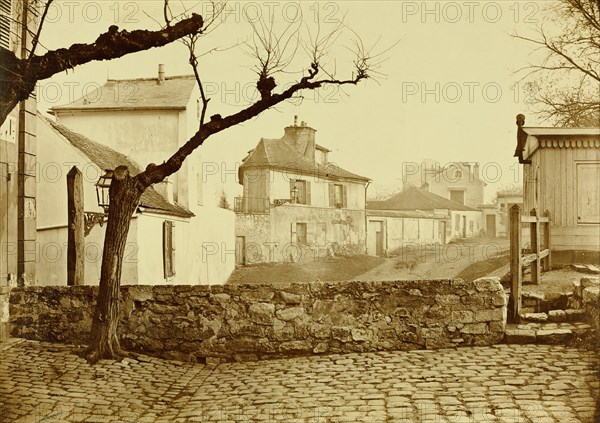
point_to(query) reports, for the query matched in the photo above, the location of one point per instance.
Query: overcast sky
(449, 93)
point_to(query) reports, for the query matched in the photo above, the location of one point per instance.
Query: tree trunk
(124, 197)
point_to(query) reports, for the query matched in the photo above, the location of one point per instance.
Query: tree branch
(18, 77)
(156, 173)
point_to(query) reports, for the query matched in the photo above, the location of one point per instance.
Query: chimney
(476, 170)
(161, 74)
(301, 138)
(295, 120)
(165, 189)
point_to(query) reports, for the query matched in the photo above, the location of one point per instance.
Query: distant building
(561, 174)
(297, 204)
(147, 120)
(418, 216)
(456, 181)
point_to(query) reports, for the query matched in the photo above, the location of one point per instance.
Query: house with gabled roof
(296, 203)
(148, 119)
(456, 181)
(157, 250)
(561, 174)
(417, 216)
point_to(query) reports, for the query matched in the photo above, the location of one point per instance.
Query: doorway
(240, 250)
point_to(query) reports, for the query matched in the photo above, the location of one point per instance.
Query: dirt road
(437, 261)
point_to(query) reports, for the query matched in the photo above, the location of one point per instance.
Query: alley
(42, 382)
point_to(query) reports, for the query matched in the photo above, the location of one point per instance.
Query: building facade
(148, 120)
(18, 253)
(457, 181)
(296, 204)
(416, 216)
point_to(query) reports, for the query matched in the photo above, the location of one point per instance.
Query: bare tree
(19, 75)
(273, 53)
(566, 82)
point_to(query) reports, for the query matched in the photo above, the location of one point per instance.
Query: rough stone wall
(586, 296)
(248, 322)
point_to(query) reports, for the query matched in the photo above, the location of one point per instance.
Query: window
(168, 248)
(301, 233)
(458, 196)
(337, 196)
(300, 191)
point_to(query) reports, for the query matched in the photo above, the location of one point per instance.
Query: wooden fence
(535, 256)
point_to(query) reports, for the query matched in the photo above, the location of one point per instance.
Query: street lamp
(102, 188)
(102, 191)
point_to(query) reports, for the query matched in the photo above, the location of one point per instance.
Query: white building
(148, 120)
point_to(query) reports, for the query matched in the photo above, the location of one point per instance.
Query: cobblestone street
(42, 382)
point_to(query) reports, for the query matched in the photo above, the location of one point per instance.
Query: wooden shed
(561, 174)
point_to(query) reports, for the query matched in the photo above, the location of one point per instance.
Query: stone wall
(247, 322)
(586, 296)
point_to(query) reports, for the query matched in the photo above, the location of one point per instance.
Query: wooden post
(535, 248)
(75, 228)
(516, 269)
(547, 244)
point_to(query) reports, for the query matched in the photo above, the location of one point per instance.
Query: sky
(448, 89)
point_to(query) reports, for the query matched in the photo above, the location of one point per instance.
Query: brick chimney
(476, 170)
(302, 138)
(161, 74)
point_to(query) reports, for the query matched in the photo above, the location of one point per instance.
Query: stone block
(262, 313)
(361, 335)
(290, 298)
(554, 336)
(288, 314)
(536, 317)
(520, 336)
(488, 284)
(589, 281)
(462, 316)
(590, 295)
(475, 329)
(557, 316)
(495, 314)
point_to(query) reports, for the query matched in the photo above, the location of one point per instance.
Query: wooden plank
(516, 269)
(535, 249)
(527, 259)
(544, 253)
(548, 243)
(75, 228)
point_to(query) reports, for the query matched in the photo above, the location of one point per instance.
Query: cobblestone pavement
(41, 382)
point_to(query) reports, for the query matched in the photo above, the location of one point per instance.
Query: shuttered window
(301, 190)
(169, 248)
(5, 23)
(338, 196)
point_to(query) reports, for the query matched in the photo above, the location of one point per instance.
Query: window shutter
(344, 197)
(293, 232)
(6, 18)
(166, 248)
(331, 195)
(172, 248)
(308, 193)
